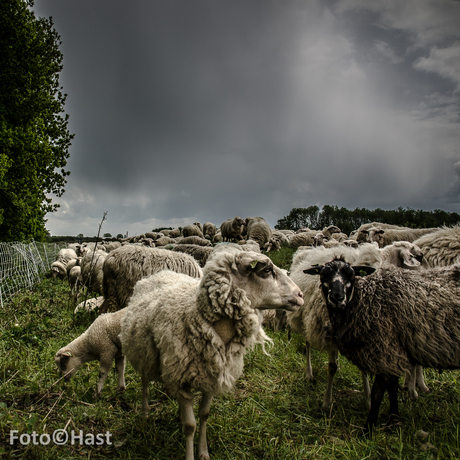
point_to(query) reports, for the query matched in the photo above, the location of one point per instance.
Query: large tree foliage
(348, 220)
(34, 139)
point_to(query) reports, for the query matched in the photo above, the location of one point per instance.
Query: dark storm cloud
(202, 111)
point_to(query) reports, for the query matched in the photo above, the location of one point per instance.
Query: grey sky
(201, 111)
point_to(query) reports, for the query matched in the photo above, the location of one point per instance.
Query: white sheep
(125, 266)
(385, 237)
(209, 231)
(65, 255)
(193, 230)
(192, 334)
(99, 342)
(92, 265)
(58, 270)
(441, 248)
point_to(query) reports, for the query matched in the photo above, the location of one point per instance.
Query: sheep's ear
(363, 270)
(409, 260)
(316, 270)
(253, 264)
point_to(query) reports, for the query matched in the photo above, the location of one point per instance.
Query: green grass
(273, 413)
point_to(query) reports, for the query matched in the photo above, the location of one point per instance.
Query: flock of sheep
(183, 307)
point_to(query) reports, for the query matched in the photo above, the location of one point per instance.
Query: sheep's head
(337, 281)
(67, 362)
(374, 234)
(266, 285)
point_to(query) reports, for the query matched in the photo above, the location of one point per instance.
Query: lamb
(192, 230)
(195, 240)
(192, 334)
(199, 253)
(125, 266)
(311, 319)
(389, 236)
(391, 320)
(441, 248)
(209, 231)
(232, 229)
(99, 342)
(257, 229)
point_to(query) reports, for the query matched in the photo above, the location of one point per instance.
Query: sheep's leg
(367, 390)
(203, 412)
(392, 387)
(280, 319)
(333, 356)
(120, 365)
(308, 369)
(189, 424)
(104, 370)
(409, 383)
(378, 390)
(145, 396)
(420, 380)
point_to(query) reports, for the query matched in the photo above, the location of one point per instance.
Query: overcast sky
(205, 110)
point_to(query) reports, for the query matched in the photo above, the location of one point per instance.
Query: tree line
(348, 220)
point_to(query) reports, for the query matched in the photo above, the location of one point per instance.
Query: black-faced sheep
(99, 342)
(125, 266)
(311, 319)
(192, 334)
(391, 320)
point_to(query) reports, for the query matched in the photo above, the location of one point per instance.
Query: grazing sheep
(389, 236)
(74, 278)
(89, 305)
(58, 270)
(195, 240)
(441, 248)
(361, 233)
(72, 263)
(257, 229)
(311, 319)
(277, 240)
(192, 230)
(199, 253)
(125, 266)
(92, 270)
(192, 334)
(174, 233)
(99, 342)
(402, 254)
(209, 230)
(65, 255)
(305, 238)
(112, 246)
(232, 229)
(391, 320)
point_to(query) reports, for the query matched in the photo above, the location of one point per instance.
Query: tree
(107, 235)
(34, 139)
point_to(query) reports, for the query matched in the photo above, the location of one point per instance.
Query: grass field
(273, 413)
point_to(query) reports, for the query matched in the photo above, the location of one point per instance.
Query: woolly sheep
(361, 233)
(441, 248)
(58, 270)
(389, 236)
(192, 334)
(163, 241)
(310, 320)
(209, 230)
(74, 278)
(65, 255)
(257, 229)
(231, 229)
(195, 240)
(92, 270)
(192, 230)
(277, 239)
(391, 320)
(125, 266)
(99, 342)
(89, 305)
(199, 253)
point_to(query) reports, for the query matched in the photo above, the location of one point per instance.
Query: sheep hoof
(121, 389)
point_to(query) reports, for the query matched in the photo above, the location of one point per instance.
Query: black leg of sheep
(381, 384)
